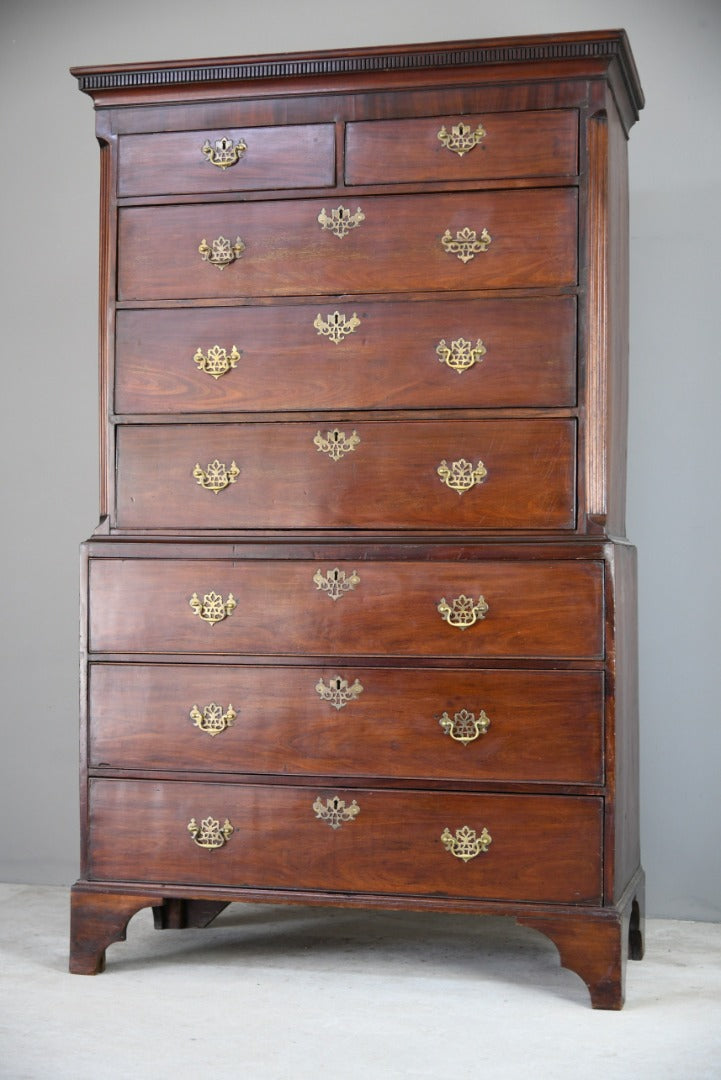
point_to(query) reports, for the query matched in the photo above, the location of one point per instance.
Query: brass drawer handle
(466, 244)
(336, 444)
(213, 720)
(335, 583)
(334, 811)
(212, 608)
(336, 327)
(462, 612)
(216, 476)
(217, 360)
(210, 834)
(466, 844)
(338, 692)
(220, 252)
(464, 727)
(461, 354)
(224, 152)
(460, 476)
(461, 139)
(341, 221)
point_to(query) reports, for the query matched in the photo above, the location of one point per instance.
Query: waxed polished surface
(284, 538)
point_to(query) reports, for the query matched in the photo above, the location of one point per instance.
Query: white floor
(274, 993)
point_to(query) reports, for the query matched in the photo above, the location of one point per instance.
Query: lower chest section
(406, 726)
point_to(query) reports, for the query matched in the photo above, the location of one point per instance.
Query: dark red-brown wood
(176, 914)
(96, 921)
(388, 480)
(541, 609)
(603, 55)
(302, 155)
(545, 726)
(596, 945)
(553, 661)
(397, 248)
(514, 144)
(389, 361)
(548, 848)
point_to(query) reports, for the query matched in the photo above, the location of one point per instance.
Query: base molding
(594, 942)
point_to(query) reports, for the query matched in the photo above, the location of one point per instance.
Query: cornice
(606, 46)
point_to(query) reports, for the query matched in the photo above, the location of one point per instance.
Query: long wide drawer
(540, 848)
(365, 354)
(548, 608)
(396, 246)
(487, 474)
(349, 720)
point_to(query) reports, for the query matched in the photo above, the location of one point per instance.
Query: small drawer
(432, 243)
(543, 848)
(464, 474)
(446, 354)
(494, 608)
(229, 159)
(350, 720)
(479, 147)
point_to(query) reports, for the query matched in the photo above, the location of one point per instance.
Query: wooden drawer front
(544, 726)
(397, 248)
(547, 608)
(542, 848)
(287, 362)
(274, 157)
(514, 144)
(387, 479)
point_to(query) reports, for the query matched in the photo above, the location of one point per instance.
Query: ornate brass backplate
(336, 327)
(216, 476)
(224, 152)
(213, 720)
(217, 360)
(336, 444)
(338, 692)
(461, 354)
(335, 582)
(461, 139)
(210, 834)
(460, 475)
(212, 608)
(334, 811)
(462, 612)
(466, 844)
(464, 727)
(220, 252)
(466, 244)
(341, 221)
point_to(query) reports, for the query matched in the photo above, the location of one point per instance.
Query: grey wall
(48, 392)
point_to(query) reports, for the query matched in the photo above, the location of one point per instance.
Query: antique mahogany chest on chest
(358, 623)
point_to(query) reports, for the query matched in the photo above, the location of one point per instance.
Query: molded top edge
(595, 45)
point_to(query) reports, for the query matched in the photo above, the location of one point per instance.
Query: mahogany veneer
(550, 846)
(398, 247)
(545, 726)
(301, 156)
(388, 481)
(548, 609)
(316, 669)
(515, 144)
(155, 372)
